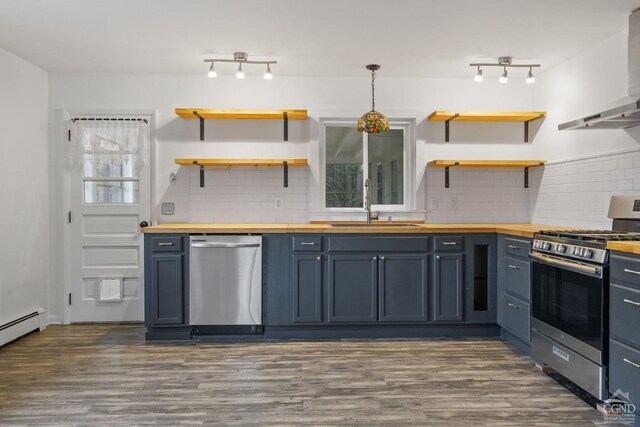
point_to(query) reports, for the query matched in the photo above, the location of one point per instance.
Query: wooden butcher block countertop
(522, 230)
(630, 247)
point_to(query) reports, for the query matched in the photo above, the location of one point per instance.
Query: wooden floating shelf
(447, 164)
(486, 116)
(211, 114)
(284, 163)
(241, 162)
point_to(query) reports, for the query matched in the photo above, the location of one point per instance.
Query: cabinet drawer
(625, 270)
(517, 275)
(307, 243)
(517, 247)
(378, 244)
(624, 314)
(517, 317)
(453, 243)
(166, 244)
(624, 369)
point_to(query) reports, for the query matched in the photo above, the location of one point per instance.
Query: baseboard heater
(13, 330)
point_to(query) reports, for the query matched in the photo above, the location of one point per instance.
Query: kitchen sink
(378, 224)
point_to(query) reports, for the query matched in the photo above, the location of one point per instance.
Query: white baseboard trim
(21, 326)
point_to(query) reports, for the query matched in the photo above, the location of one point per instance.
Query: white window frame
(408, 128)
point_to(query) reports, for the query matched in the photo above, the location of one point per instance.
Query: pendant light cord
(373, 90)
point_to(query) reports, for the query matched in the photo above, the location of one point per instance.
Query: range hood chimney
(628, 114)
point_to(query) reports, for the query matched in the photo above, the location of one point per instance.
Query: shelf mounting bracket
(285, 118)
(446, 126)
(195, 113)
(446, 175)
(195, 162)
(526, 176)
(526, 127)
(285, 167)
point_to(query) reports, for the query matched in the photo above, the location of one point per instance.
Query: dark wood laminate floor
(108, 375)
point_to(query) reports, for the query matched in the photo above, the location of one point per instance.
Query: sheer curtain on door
(110, 152)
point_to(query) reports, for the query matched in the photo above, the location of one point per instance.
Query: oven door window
(570, 302)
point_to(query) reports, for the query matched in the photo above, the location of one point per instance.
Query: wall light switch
(433, 203)
(278, 203)
(168, 208)
(453, 203)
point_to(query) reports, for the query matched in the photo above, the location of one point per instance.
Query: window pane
(343, 167)
(111, 192)
(386, 167)
(104, 164)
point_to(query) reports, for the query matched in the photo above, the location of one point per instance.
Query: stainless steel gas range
(570, 287)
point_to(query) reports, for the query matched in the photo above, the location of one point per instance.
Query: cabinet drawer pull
(561, 354)
(307, 243)
(515, 267)
(628, 301)
(449, 243)
(626, 270)
(514, 247)
(165, 244)
(517, 307)
(631, 363)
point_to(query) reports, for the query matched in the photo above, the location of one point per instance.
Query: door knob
(144, 224)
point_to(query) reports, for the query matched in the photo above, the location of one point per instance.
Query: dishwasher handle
(196, 244)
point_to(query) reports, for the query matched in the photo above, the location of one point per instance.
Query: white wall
(24, 217)
(322, 96)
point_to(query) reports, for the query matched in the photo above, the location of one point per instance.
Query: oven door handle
(577, 267)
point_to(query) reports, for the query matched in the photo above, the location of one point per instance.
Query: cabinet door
(403, 288)
(353, 288)
(447, 287)
(167, 290)
(480, 279)
(306, 288)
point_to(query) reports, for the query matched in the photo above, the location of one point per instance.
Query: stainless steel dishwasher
(225, 285)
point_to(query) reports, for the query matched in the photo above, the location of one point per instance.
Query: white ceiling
(412, 38)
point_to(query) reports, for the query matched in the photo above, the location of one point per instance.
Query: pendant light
(373, 121)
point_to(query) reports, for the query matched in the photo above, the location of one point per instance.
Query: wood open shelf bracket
(447, 164)
(284, 163)
(486, 116)
(205, 114)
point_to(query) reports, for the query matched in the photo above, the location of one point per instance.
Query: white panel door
(110, 196)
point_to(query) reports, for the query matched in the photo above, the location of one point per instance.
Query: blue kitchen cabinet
(306, 288)
(448, 287)
(403, 287)
(480, 278)
(167, 290)
(352, 286)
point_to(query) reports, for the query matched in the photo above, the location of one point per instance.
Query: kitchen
(81, 270)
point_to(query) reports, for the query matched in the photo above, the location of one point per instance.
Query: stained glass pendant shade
(373, 121)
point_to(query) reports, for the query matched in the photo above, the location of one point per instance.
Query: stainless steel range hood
(626, 114)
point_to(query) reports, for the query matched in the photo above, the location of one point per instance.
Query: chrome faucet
(367, 202)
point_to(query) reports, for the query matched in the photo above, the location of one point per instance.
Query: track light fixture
(478, 77)
(240, 58)
(504, 62)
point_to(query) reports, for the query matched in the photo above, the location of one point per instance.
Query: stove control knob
(561, 248)
(545, 246)
(588, 253)
(575, 251)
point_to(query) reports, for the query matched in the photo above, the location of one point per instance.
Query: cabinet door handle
(381, 258)
(631, 363)
(561, 354)
(319, 258)
(628, 301)
(307, 243)
(514, 247)
(626, 270)
(437, 256)
(449, 243)
(515, 267)
(165, 244)
(375, 258)
(517, 307)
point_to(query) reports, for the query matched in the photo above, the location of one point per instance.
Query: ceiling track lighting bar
(240, 58)
(504, 62)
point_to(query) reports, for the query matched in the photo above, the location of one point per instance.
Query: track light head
(267, 74)
(503, 78)
(478, 77)
(240, 73)
(530, 79)
(212, 72)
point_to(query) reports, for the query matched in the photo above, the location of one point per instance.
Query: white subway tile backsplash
(247, 195)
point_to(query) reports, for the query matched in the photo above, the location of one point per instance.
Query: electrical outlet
(433, 203)
(453, 203)
(278, 203)
(167, 208)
